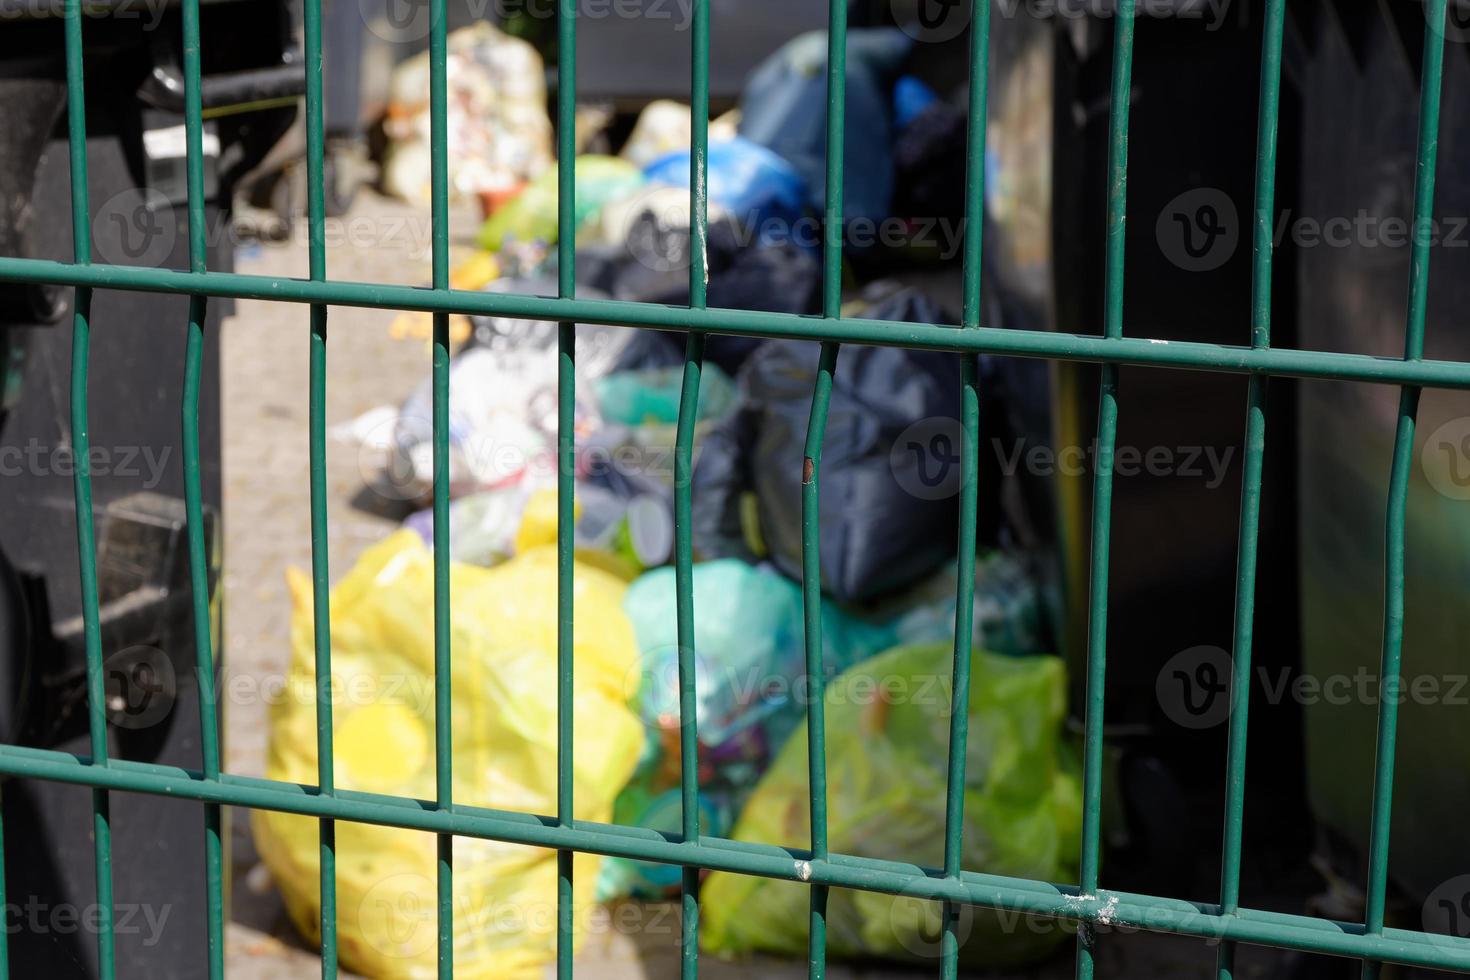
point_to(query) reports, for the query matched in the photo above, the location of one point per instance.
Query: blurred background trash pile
(889, 526)
(499, 134)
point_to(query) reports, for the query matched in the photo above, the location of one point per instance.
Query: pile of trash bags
(889, 498)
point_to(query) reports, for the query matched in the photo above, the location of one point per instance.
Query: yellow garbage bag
(504, 724)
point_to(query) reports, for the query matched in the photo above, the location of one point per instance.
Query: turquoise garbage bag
(748, 649)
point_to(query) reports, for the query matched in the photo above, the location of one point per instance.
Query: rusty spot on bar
(807, 466)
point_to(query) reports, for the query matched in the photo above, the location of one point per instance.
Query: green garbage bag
(650, 396)
(531, 215)
(887, 727)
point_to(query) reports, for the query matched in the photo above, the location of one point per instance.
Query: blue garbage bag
(784, 108)
(910, 98)
(759, 189)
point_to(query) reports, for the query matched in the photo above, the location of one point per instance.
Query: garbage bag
(889, 472)
(532, 215)
(614, 226)
(929, 163)
(652, 266)
(504, 742)
(762, 191)
(748, 645)
(750, 693)
(662, 127)
(1009, 614)
(911, 96)
(499, 133)
(784, 108)
(482, 525)
(502, 405)
(650, 396)
(652, 800)
(887, 728)
(599, 349)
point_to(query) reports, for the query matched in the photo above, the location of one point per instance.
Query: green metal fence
(1091, 907)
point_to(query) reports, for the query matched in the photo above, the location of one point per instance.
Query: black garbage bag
(929, 165)
(890, 468)
(652, 266)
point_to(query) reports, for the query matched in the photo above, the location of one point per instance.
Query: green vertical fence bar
(688, 419)
(1401, 473)
(1102, 488)
(321, 580)
(439, 227)
(566, 468)
(811, 602)
(193, 491)
(959, 727)
(76, 126)
(811, 562)
(1267, 118)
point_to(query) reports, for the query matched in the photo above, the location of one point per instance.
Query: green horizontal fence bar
(1142, 352)
(1087, 904)
(1123, 910)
